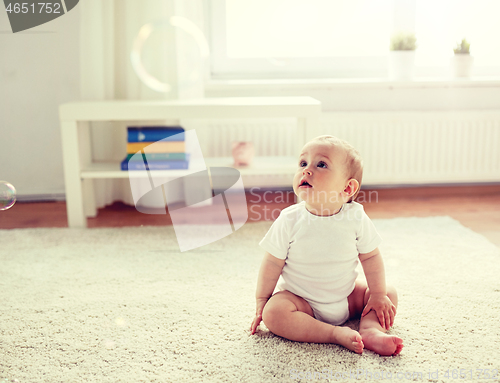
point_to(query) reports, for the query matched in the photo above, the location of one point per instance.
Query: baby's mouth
(305, 184)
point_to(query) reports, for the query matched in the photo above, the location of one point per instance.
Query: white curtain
(108, 29)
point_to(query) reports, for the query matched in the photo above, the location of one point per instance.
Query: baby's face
(320, 178)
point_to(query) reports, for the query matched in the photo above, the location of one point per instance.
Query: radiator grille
(398, 148)
(430, 147)
(275, 137)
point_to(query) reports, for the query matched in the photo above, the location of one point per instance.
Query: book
(155, 133)
(159, 157)
(154, 165)
(157, 147)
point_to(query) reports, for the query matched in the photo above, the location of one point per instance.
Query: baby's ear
(351, 187)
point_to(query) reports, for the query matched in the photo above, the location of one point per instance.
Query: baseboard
(41, 197)
(405, 189)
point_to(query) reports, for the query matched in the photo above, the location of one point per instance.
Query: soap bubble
(7, 195)
(194, 54)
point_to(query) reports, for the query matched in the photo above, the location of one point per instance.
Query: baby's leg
(290, 316)
(373, 334)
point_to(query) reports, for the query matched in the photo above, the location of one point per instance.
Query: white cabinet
(80, 170)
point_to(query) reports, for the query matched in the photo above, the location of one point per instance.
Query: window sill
(371, 83)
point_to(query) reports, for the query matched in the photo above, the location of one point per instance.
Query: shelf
(260, 166)
(77, 142)
(233, 107)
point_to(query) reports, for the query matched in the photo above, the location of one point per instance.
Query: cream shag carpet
(124, 305)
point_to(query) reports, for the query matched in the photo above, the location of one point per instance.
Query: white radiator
(422, 147)
(273, 137)
(398, 148)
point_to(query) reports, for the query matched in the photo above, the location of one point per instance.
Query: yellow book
(157, 147)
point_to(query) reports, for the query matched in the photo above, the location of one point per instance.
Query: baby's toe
(399, 347)
(358, 344)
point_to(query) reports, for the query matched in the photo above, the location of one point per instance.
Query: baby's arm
(269, 273)
(373, 267)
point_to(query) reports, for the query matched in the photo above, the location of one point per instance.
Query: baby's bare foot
(348, 338)
(383, 344)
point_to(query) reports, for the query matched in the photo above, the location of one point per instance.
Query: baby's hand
(258, 315)
(383, 307)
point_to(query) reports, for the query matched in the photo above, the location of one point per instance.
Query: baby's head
(352, 162)
(332, 166)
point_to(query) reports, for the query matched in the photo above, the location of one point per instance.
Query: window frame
(369, 67)
(223, 67)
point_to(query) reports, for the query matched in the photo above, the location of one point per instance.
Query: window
(313, 38)
(441, 24)
(346, 38)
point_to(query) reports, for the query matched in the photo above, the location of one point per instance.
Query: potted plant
(462, 61)
(402, 56)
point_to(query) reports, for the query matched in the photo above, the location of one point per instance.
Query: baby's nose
(307, 171)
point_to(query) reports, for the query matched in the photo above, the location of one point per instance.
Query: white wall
(375, 96)
(39, 69)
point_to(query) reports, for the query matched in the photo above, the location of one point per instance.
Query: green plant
(403, 42)
(462, 48)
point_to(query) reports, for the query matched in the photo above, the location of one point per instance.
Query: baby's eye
(302, 164)
(321, 164)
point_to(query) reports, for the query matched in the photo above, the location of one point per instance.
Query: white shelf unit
(259, 166)
(80, 170)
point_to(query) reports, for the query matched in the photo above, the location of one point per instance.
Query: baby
(313, 249)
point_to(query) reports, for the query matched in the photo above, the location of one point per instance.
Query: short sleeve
(277, 240)
(368, 239)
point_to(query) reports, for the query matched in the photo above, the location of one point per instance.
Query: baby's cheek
(296, 179)
(296, 186)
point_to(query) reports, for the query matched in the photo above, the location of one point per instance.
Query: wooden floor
(476, 207)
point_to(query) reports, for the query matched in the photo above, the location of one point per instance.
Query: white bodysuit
(321, 255)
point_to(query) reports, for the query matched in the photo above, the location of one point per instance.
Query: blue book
(153, 134)
(159, 157)
(154, 165)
